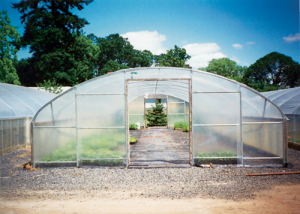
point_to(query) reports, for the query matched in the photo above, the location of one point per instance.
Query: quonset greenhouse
(288, 101)
(88, 124)
(17, 107)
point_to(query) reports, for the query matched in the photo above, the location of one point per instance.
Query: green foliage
(176, 57)
(54, 35)
(274, 69)
(50, 86)
(133, 139)
(9, 35)
(133, 126)
(93, 147)
(117, 53)
(156, 116)
(226, 68)
(185, 126)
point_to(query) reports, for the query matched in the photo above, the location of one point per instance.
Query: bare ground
(281, 199)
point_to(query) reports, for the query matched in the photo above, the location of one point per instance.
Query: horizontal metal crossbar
(214, 157)
(250, 123)
(116, 127)
(96, 94)
(257, 158)
(215, 125)
(214, 92)
(55, 162)
(102, 159)
(54, 126)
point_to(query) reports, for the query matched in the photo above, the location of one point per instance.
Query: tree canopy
(176, 57)
(59, 49)
(117, 53)
(8, 57)
(227, 68)
(274, 69)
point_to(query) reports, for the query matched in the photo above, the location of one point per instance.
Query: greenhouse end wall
(14, 134)
(230, 123)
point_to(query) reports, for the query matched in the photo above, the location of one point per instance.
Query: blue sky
(242, 30)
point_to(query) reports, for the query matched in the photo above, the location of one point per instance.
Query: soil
(281, 199)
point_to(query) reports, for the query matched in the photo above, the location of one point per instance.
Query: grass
(185, 126)
(92, 147)
(216, 160)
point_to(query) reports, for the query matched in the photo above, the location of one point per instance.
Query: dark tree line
(63, 54)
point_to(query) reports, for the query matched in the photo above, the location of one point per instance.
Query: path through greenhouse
(159, 147)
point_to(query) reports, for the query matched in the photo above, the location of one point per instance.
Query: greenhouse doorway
(168, 144)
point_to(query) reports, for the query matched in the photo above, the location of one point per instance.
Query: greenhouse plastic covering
(288, 101)
(19, 102)
(229, 122)
(17, 107)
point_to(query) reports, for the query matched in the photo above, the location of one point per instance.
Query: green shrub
(133, 139)
(156, 115)
(186, 127)
(133, 126)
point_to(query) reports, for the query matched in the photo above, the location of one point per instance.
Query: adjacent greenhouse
(17, 107)
(288, 101)
(229, 122)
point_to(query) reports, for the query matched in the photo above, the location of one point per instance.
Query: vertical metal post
(285, 140)
(76, 124)
(10, 121)
(184, 111)
(167, 109)
(241, 129)
(127, 121)
(294, 128)
(2, 135)
(18, 132)
(190, 123)
(52, 114)
(145, 123)
(32, 144)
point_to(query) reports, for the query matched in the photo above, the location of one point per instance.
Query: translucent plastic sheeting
(61, 112)
(203, 82)
(19, 102)
(55, 144)
(263, 140)
(175, 108)
(206, 108)
(175, 118)
(105, 111)
(110, 84)
(218, 143)
(288, 100)
(102, 143)
(136, 111)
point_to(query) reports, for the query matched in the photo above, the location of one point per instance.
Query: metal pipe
(116, 127)
(76, 125)
(218, 92)
(96, 94)
(273, 173)
(258, 158)
(215, 125)
(249, 123)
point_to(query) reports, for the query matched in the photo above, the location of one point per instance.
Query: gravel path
(66, 183)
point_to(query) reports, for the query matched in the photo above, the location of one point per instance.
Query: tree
(156, 115)
(118, 53)
(55, 39)
(8, 35)
(176, 57)
(226, 68)
(274, 70)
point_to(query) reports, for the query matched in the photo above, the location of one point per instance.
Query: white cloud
(202, 53)
(237, 46)
(146, 40)
(234, 58)
(250, 43)
(292, 38)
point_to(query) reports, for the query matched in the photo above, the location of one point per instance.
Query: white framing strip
(214, 92)
(195, 125)
(254, 158)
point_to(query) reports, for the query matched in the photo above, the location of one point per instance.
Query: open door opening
(159, 141)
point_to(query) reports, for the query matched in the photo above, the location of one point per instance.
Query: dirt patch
(281, 199)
